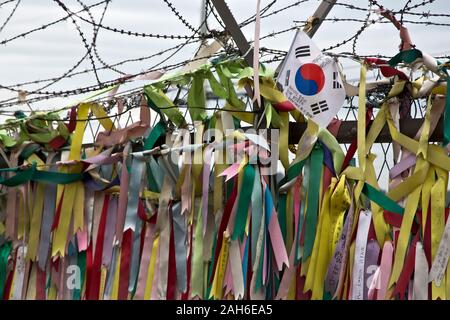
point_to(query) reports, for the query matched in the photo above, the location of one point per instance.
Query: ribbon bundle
(131, 219)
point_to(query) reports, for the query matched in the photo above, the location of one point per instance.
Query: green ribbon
(56, 177)
(20, 178)
(31, 174)
(381, 199)
(244, 201)
(210, 269)
(298, 250)
(196, 100)
(157, 101)
(333, 145)
(259, 276)
(282, 214)
(313, 200)
(407, 56)
(293, 171)
(447, 115)
(29, 150)
(6, 140)
(158, 131)
(216, 87)
(257, 207)
(41, 130)
(5, 250)
(225, 79)
(81, 263)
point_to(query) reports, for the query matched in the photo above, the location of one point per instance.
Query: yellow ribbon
(35, 226)
(219, 157)
(115, 287)
(381, 227)
(361, 134)
(412, 201)
(340, 202)
(284, 137)
(321, 253)
(74, 192)
(151, 270)
(102, 116)
(438, 192)
(217, 285)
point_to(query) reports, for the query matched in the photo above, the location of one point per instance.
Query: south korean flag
(311, 81)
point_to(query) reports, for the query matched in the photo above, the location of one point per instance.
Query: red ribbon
(40, 283)
(72, 120)
(58, 212)
(300, 285)
(97, 265)
(284, 106)
(354, 145)
(89, 268)
(408, 268)
(8, 283)
(57, 142)
(387, 71)
(185, 295)
(125, 258)
(395, 220)
(172, 272)
(223, 225)
(327, 174)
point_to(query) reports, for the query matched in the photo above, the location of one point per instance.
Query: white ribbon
(360, 254)
(420, 291)
(439, 265)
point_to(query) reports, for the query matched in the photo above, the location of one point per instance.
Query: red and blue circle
(309, 79)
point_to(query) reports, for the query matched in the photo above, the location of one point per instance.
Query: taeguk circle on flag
(309, 79)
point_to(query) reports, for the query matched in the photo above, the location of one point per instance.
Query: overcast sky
(50, 53)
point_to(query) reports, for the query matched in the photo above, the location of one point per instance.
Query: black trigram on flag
(319, 107)
(336, 84)
(288, 74)
(302, 51)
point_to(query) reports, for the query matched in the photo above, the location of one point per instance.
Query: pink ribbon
(403, 165)
(257, 95)
(119, 136)
(385, 269)
(123, 196)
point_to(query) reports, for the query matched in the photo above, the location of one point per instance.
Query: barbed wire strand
(196, 36)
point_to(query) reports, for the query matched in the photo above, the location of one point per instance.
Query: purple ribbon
(328, 159)
(370, 264)
(95, 185)
(403, 165)
(109, 232)
(335, 266)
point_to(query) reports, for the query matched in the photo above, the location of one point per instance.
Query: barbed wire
(334, 19)
(141, 34)
(427, 14)
(5, 2)
(215, 15)
(13, 87)
(10, 15)
(83, 38)
(179, 16)
(403, 11)
(45, 26)
(363, 27)
(98, 63)
(102, 85)
(96, 31)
